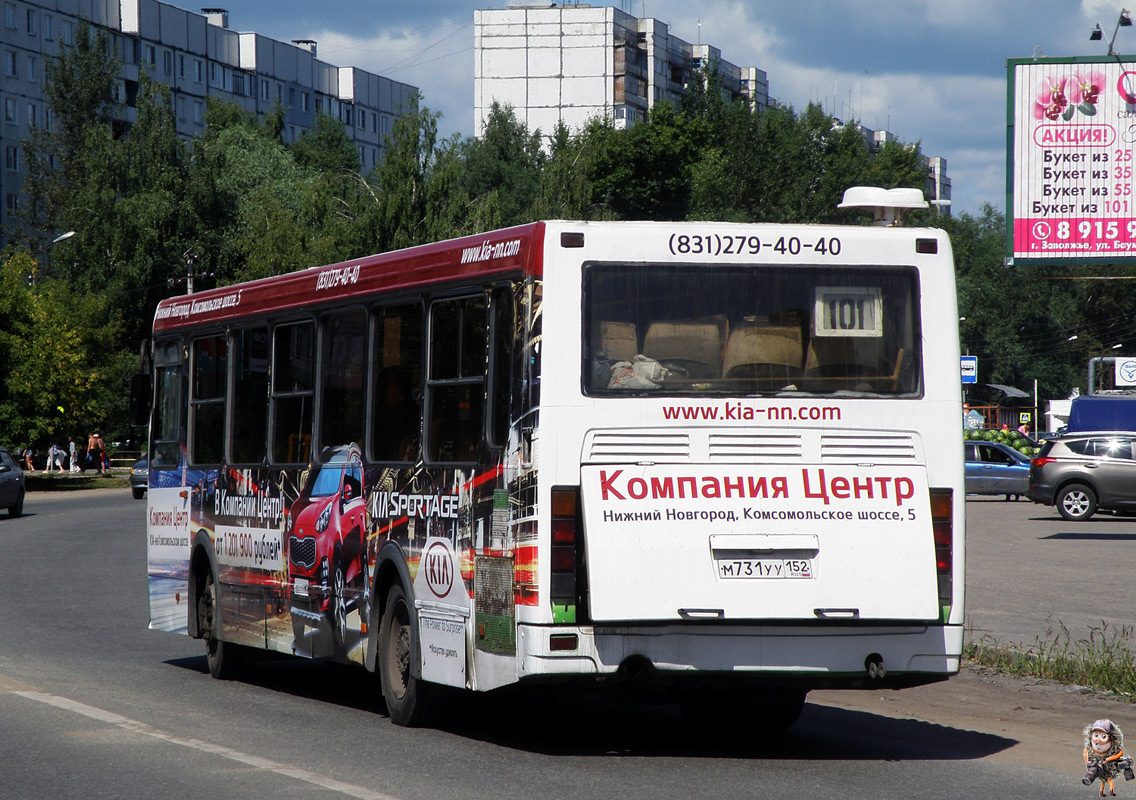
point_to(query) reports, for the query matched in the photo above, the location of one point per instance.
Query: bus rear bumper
(808, 657)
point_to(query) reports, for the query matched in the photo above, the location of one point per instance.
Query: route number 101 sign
(848, 311)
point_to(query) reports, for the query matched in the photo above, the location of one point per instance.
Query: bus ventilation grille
(869, 448)
(617, 446)
(755, 448)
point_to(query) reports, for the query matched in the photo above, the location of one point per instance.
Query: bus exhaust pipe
(874, 664)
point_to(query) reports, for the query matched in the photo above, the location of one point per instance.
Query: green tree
(64, 372)
(66, 163)
(1016, 322)
(897, 165)
(644, 172)
(403, 201)
(502, 169)
(246, 188)
(154, 223)
(567, 187)
(326, 147)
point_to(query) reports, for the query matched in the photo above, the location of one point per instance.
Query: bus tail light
(565, 521)
(942, 526)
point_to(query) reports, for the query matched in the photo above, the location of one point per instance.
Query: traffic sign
(968, 367)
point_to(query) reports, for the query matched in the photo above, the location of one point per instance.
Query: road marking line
(196, 744)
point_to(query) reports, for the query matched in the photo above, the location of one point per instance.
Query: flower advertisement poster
(1072, 126)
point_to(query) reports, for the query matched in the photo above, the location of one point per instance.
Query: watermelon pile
(1007, 437)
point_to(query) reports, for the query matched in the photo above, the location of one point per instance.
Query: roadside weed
(1102, 660)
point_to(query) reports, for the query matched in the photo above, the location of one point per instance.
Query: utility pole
(190, 262)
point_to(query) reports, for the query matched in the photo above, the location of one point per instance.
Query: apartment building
(938, 183)
(571, 63)
(197, 55)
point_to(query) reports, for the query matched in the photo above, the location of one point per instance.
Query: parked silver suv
(1083, 472)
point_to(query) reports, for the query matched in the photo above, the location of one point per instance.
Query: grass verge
(75, 483)
(1103, 660)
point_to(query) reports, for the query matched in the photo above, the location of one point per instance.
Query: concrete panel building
(568, 64)
(197, 55)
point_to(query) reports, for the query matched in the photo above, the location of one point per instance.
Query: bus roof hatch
(889, 207)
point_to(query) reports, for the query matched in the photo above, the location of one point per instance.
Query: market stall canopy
(1009, 391)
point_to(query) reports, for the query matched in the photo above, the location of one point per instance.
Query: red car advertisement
(326, 530)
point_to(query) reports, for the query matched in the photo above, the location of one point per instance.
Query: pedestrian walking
(96, 451)
(73, 455)
(54, 458)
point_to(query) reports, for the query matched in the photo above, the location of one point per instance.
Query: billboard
(1072, 132)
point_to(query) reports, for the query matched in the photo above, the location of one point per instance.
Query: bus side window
(168, 404)
(456, 383)
(526, 354)
(293, 351)
(207, 400)
(396, 414)
(503, 335)
(249, 422)
(344, 348)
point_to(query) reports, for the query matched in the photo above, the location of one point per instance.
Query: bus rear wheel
(225, 659)
(407, 697)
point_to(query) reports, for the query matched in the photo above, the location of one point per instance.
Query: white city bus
(715, 461)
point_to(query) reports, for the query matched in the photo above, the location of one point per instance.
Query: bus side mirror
(140, 394)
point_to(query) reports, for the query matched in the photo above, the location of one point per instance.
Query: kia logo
(439, 569)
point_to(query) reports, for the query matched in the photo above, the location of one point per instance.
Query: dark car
(11, 484)
(996, 468)
(327, 534)
(140, 477)
(1085, 472)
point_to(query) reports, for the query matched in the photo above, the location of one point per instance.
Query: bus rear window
(694, 330)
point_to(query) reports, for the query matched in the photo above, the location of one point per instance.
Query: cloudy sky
(932, 71)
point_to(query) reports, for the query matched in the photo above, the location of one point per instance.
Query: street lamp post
(1097, 34)
(33, 279)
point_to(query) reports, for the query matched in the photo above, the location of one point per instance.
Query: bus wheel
(224, 658)
(406, 696)
(338, 608)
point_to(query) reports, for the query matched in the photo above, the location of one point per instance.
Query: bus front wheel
(406, 696)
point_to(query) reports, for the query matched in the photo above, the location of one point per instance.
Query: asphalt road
(1030, 573)
(93, 705)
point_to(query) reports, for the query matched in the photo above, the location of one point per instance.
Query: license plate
(300, 587)
(764, 568)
